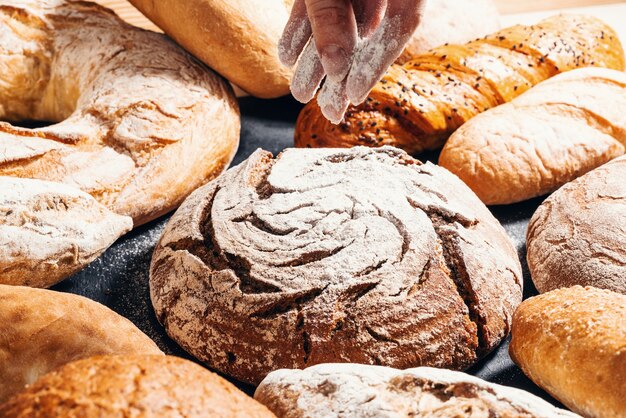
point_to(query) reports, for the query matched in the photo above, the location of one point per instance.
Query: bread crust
(49, 231)
(578, 235)
(42, 330)
(548, 136)
(354, 390)
(141, 124)
(236, 38)
(132, 385)
(418, 105)
(571, 342)
(316, 256)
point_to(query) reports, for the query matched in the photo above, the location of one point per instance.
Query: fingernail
(335, 62)
(357, 89)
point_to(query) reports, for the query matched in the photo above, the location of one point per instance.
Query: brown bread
(548, 136)
(132, 386)
(362, 255)
(571, 342)
(41, 330)
(418, 105)
(578, 235)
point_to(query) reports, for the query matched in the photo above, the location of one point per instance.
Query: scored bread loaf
(548, 136)
(418, 105)
(578, 235)
(236, 38)
(572, 343)
(41, 330)
(361, 255)
(132, 386)
(136, 121)
(354, 390)
(48, 231)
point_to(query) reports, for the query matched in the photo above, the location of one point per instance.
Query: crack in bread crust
(326, 255)
(125, 106)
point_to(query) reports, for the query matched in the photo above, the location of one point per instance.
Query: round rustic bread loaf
(141, 123)
(360, 255)
(41, 330)
(132, 386)
(354, 390)
(49, 231)
(572, 343)
(578, 235)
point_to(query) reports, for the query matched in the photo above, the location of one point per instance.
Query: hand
(325, 35)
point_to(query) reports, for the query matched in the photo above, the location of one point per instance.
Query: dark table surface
(119, 278)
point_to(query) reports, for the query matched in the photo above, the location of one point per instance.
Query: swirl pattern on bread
(357, 255)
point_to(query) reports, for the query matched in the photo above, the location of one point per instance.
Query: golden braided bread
(418, 105)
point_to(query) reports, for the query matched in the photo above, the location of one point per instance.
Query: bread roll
(315, 256)
(236, 38)
(132, 386)
(571, 342)
(41, 330)
(48, 231)
(578, 235)
(418, 105)
(453, 22)
(354, 390)
(138, 123)
(548, 136)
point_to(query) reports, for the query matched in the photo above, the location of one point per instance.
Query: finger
(308, 75)
(295, 36)
(333, 100)
(368, 14)
(379, 51)
(334, 29)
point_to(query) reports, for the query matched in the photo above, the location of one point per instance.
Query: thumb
(335, 33)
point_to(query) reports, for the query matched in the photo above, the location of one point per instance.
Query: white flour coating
(333, 100)
(49, 231)
(353, 390)
(298, 35)
(374, 56)
(325, 255)
(140, 123)
(308, 75)
(371, 59)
